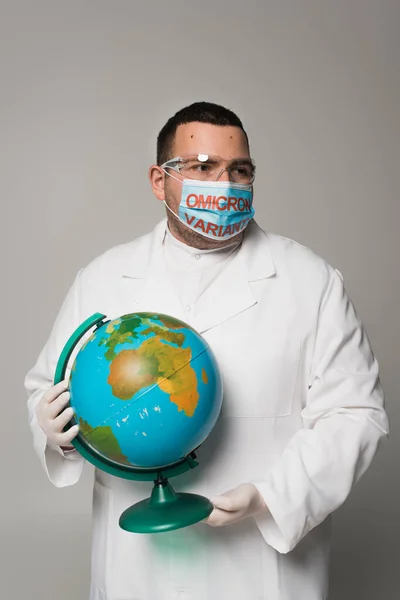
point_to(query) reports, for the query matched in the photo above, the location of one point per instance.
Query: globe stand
(165, 510)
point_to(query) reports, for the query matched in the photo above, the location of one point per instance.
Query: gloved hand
(237, 504)
(52, 418)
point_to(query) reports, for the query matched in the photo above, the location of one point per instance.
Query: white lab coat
(302, 417)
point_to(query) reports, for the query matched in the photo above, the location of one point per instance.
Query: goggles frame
(178, 162)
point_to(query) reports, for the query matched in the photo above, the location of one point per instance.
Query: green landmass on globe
(104, 440)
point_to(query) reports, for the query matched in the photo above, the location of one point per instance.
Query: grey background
(84, 89)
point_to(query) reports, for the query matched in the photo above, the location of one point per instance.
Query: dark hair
(203, 112)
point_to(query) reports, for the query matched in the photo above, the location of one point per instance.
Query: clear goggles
(207, 167)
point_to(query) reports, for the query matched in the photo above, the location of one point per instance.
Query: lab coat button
(188, 308)
(197, 256)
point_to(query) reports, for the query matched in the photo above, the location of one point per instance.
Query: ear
(157, 182)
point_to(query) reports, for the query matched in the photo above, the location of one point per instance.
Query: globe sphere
(146, 391)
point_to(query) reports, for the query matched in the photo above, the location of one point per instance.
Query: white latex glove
(52, 418)
(240, 503)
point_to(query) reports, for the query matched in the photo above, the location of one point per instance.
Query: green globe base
(165, 510)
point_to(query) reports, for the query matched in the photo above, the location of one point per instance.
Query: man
(303, 406)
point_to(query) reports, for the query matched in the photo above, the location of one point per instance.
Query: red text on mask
(218, 203)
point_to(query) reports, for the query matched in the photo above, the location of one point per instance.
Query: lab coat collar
(255, 248)
(229, 295)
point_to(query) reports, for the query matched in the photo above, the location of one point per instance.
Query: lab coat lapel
(147, 278)
(229, 295)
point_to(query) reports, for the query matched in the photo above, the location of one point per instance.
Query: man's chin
(195, 240)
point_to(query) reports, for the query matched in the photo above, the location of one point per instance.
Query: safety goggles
(207, 167)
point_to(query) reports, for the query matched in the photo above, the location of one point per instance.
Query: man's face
(191, 139)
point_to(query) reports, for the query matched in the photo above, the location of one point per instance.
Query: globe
(146, 391)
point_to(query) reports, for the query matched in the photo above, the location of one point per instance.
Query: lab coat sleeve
(62, 468)
(343, 421)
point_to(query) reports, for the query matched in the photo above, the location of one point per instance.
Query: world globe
(146, 392)
(145, 389)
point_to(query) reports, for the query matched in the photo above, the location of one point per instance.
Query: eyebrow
(241, 161)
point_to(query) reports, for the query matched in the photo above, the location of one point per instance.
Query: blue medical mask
(217, 210)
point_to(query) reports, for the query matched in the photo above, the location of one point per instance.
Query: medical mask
(217, 210)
